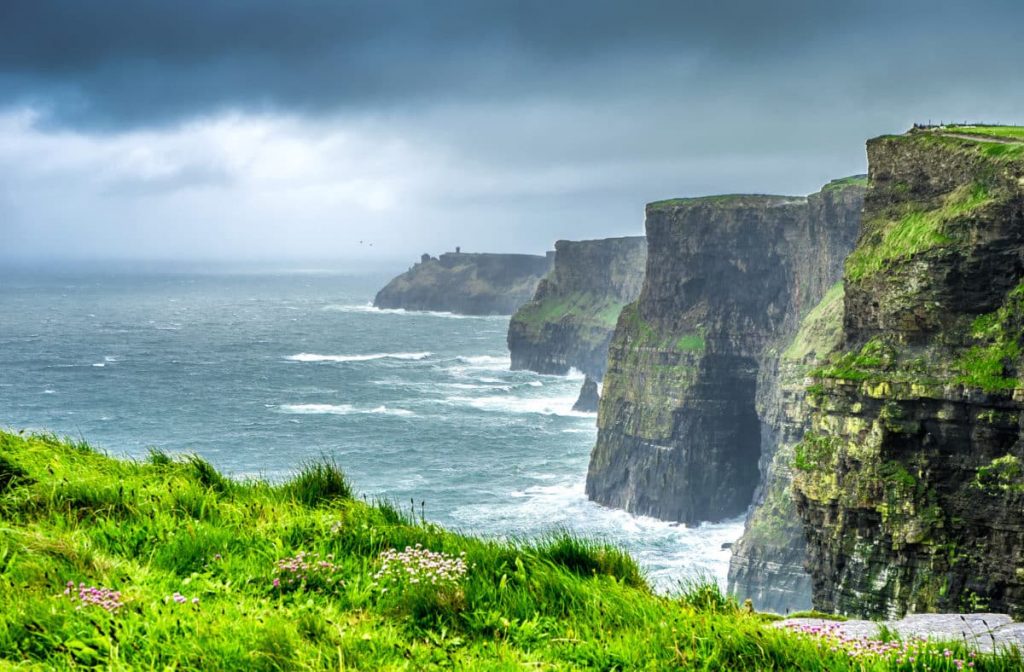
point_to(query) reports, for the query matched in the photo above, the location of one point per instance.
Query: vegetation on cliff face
(570, 320)
(908, 482)
(167, 564)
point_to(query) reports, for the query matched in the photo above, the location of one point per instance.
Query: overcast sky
(271, 130)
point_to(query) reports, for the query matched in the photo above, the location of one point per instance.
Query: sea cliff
(469, 284)
(909, 483)
(571, 318)
(679, 431)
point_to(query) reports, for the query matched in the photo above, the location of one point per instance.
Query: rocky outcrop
(679, 433)
(469, 284)
(589, 397)
(909, 482)
(570, 321)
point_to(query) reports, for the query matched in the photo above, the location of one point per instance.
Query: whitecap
(487, 361)
(312, 357)
(49, 391)
(100, 365)
(342, 409)
(561, 406)
(369, 308)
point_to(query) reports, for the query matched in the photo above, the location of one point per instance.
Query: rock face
(589, 399)
(570, 321)
(909, 482)
(679, 434)
(767, 564)
(469, 284)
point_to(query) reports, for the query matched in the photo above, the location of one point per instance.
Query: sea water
(262, 372)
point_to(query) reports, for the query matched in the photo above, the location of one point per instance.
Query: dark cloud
(149, 61)
(271, 127)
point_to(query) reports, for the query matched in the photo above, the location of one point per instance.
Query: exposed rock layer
(679, 434)
(767, 564)
(910, 483)
(469, 284)
(570, 321)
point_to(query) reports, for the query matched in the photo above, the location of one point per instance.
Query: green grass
(166, 525)
(821, 330)
(914, 232)
(583, 309)
(845, 182)
(724, 201)
(691, 343)
(1002, 132)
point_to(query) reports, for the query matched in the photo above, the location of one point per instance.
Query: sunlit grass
(185, 569)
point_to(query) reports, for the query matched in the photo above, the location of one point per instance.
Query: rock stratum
(570, 320)
(680, 435)
(465, 283)
(909, 480)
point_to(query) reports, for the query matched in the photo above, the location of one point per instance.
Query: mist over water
(260, 373)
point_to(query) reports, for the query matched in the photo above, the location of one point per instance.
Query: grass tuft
(319, 483)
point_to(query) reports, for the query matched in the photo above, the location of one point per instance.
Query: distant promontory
(467, 283)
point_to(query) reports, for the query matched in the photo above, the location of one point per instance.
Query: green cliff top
(846, 182)
(1003, 143)
(727, 201)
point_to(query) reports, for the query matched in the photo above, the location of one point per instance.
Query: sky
(376, 130)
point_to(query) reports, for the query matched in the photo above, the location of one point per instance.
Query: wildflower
(418, 565)
(106, 599)
(308, 570)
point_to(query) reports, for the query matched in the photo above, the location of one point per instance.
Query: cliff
(909, 484)
(570, 321)
(679, 433)
(767, 562)
(470, 284)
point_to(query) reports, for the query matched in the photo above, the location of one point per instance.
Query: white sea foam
(511, 404)
(487, 361)
(342, 409)
(49, 391)
(100, 365)
(368, 308)
(311, 357)
(110, 359)
(535, 383)
(668, 551)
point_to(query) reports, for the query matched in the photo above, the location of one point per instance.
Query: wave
(486, 360)
(100, 365)
(342, 409)
(561, 406)
(371, 309)
(310, 357)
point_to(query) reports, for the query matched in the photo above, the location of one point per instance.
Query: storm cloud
(269, 129)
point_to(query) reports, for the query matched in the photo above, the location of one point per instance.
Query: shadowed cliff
(679, 433)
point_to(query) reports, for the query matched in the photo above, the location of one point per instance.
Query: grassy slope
(149, 530)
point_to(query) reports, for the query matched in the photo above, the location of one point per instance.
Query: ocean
(261, 372)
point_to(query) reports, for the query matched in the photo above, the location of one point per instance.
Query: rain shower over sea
(262, 372)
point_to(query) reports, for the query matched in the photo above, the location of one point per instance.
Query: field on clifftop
(167, 564)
